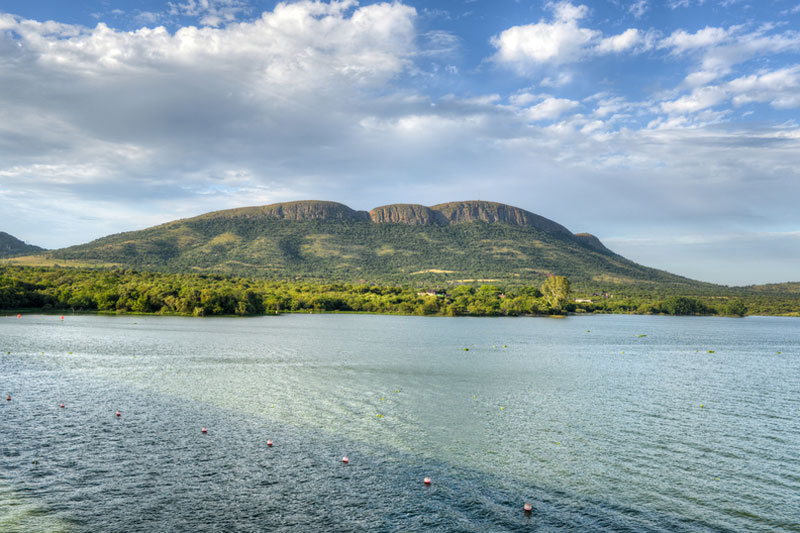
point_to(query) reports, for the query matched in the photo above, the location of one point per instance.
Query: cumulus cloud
(682, 41)
(559, 41)
(780, 88)
(619, 43)
(550, 108)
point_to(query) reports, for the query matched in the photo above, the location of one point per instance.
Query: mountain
(10, 246)
(456, 242)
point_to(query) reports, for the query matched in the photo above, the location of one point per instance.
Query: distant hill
(10, 246)
(790, 287)
(457, 242)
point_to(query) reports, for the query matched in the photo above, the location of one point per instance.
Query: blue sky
(669, 128)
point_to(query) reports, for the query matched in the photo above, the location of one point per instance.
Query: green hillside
(458, 242)
(10, 246)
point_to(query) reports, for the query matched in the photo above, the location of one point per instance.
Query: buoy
(8, 398)
(62, 317)
(528, 507)
(269, 443)
(61, 406)
(204, 430)
(19, 316)
(119, 414)
(427, 481)
(345, 460)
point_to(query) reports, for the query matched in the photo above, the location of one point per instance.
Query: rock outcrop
(412, 214)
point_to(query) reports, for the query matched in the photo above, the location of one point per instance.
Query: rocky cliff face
(296, 211)
(412, 214)
(472, 211)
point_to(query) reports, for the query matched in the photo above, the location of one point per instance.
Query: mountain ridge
(454, 242)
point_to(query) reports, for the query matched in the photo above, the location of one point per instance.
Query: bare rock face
(587, 239)
(472, 211)
(412, 214)
(296, 211)
(314, 210)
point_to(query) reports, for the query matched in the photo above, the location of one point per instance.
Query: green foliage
(555, 291)
(681, 305)
(736, 308)
(131, 291)
(10, 246)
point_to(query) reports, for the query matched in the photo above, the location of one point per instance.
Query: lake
(610, 422)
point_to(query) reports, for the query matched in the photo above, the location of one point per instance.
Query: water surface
(601, 422)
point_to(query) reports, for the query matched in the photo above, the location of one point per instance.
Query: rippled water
(600, 422)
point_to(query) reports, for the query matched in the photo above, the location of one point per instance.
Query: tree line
(130, 291)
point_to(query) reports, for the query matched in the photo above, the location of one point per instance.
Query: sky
(667, 128)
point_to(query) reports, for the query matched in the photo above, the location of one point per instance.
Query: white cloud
(561, 79)
(780, 88)
(550, 108)
(210, 12)
(559, 41)
(681, 41)
(638, 8)
(699, 99)
(619, 43)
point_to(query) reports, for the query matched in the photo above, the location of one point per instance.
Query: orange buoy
(269, 443)
(345, 460)
(528, 507)
(427, 481)
(204, 430)
(62, 317)
(119, 414)
(19, 316)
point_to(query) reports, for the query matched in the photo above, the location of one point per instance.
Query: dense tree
(201, 294)
(556, 290)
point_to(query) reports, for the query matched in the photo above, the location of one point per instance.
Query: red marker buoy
(345, 460)
(528, 508)
(61, 406)
(204, 430)
(427, 481)
(62, 317)
(19, 316)
(269, 443)
(119, 414)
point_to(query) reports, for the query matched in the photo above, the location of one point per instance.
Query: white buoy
(528, 507)
(427, 481)
(345, 460)
(269, 443)
(119, 414)
(203, 430)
